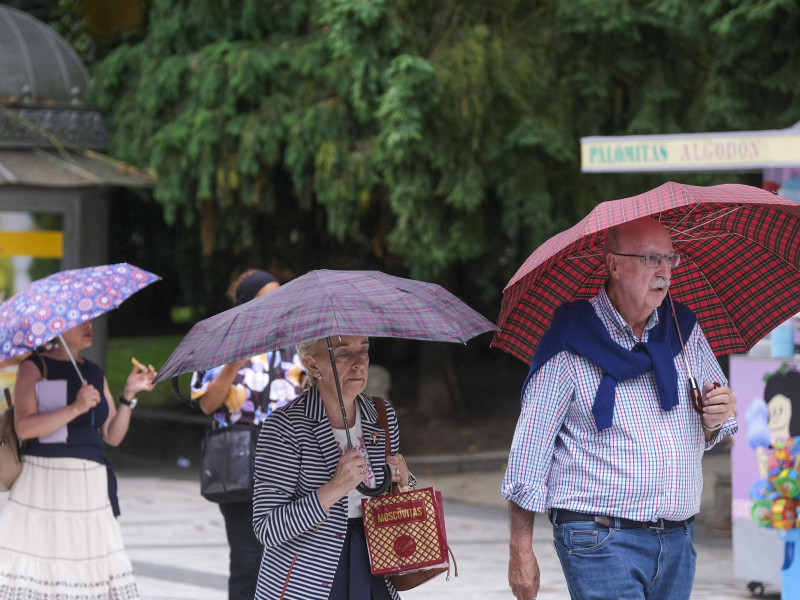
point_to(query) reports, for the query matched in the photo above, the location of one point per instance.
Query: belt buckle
(658, 524)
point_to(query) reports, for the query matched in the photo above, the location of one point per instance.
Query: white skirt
(59, 538)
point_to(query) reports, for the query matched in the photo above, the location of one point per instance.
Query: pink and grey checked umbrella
(739, 269)
(52, 305)
(321, 304)
(325, 303)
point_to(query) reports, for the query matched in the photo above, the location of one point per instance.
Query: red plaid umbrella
(739, 269)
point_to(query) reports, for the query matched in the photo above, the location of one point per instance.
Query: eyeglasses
(653, 260)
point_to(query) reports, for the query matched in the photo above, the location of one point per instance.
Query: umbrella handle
(387, 470)
(77, 370)
(382, 488)
(71, 358)
(697, 396)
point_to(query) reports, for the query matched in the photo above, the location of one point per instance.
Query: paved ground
(176, 539)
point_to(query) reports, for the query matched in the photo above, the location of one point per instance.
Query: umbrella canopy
(326, 303)
(739, 268)
(52, 305)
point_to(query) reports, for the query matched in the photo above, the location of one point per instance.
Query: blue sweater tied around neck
(576, 328)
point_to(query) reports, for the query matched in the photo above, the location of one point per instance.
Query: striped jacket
(297, 454)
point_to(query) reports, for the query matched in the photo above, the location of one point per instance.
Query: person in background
(58, 534)
(240, 393)
(608, 441)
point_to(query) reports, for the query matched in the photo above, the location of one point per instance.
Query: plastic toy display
(776, 504)
(776, 497)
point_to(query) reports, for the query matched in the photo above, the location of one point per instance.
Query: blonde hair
(308, 349)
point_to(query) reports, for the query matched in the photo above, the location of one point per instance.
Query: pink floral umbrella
(52, 305)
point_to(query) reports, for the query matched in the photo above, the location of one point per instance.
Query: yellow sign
(742, 151)
(39, 244)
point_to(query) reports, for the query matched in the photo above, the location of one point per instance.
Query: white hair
(308, 349)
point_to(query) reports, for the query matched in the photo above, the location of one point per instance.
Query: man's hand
(718, 404)
(523, 568)
(523, 573)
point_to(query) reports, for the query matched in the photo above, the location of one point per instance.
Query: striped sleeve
(544, 405)
(283, 508)
(394, 429)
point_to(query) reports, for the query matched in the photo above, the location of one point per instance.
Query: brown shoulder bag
(10, 460)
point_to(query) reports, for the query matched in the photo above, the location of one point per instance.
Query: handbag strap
(40, 362)
(383, 423)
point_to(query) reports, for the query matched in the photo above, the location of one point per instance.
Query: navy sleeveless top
(84, 439)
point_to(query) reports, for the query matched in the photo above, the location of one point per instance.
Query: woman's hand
(88, 397)
(400, 474)
(140, 379)
(350, 471)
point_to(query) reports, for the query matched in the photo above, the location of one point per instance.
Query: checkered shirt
(645, 467)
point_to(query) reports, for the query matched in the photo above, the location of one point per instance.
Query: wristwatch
(131, 403)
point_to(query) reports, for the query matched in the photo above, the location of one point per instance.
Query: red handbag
(405, 531)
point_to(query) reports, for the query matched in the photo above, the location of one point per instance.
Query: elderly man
(608, 441)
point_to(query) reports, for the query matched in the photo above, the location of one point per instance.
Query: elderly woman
(307, 510)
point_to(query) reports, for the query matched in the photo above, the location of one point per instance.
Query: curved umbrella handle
(382, 488)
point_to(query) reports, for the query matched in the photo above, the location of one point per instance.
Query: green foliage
(753, 80)
(435, 139)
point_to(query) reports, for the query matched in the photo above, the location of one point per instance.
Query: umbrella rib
(684, 215)
(333, 306)
(719, 300)
(715, 217)
(761, 246)
(700, 238)
(583, 256)
(713, 289)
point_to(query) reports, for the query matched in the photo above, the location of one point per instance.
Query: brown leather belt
(561, 515)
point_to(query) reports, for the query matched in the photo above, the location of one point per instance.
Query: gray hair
(308, 349)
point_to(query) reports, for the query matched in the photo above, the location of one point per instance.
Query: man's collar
(608, 309)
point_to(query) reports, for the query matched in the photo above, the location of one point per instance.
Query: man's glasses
(653, 260)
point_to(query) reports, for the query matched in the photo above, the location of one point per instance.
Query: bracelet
(707, 428)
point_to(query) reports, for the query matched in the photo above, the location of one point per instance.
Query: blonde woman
(307, 511)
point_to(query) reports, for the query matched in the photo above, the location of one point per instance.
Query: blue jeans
(626, 564)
